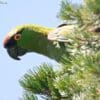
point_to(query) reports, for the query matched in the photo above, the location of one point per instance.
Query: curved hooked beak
(13, 50)
(13, 53)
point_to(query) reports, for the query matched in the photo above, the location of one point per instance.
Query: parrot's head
(11, 43)
(26, 38)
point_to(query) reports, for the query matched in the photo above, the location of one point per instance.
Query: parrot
(37, 38)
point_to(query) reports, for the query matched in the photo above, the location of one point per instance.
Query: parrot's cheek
(15, 52)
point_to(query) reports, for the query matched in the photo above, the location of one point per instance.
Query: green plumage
(35, 38)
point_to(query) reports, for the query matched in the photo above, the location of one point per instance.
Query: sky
(14, 13)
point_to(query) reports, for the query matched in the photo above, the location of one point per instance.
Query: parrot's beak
(13, 50)
(9, 44)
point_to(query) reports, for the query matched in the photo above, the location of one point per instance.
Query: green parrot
(35, 38)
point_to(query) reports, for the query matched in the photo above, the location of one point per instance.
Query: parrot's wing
(61, 34)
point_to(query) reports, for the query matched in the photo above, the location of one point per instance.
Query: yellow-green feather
(34, 39)
(36, 28)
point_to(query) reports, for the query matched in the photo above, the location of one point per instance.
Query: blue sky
(14, 13)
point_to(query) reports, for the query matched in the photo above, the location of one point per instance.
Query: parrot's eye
(17, 36)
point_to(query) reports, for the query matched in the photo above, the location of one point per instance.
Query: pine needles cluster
(78, 77)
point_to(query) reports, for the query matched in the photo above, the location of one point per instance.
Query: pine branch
(28, 96)
(79, 74)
